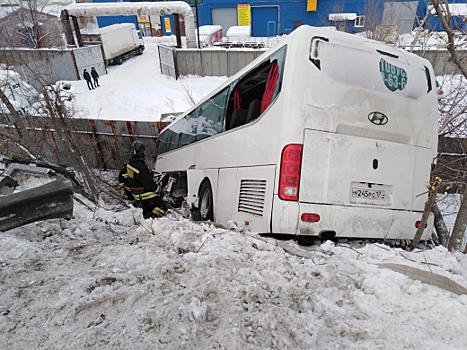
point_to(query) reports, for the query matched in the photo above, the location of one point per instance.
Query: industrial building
(268, 18)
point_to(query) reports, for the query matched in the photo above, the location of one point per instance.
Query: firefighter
(137, 181)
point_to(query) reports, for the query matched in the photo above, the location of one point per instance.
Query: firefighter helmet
(137, 150)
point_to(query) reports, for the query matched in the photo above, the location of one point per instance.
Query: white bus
(326, 134)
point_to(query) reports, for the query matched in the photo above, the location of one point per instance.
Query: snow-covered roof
(239, 31)
(429, 40)
(52, 9)
(209, 29)
(7, 10)
(342, 16)
(454, 9)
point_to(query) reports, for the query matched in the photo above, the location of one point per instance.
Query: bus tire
(205, 202)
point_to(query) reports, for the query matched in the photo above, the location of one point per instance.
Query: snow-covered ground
(108, 279)
(136, 90)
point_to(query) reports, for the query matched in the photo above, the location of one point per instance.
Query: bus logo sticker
(394, 78)
(378, 118)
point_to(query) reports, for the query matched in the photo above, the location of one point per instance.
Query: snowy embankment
(109, 280)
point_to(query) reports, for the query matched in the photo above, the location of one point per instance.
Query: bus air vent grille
(252, 195)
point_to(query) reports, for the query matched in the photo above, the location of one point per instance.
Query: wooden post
(433, 190)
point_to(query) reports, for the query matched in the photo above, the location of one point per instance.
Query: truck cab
(140, 40)
(140, 37)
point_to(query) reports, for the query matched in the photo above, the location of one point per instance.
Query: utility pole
(197, 23)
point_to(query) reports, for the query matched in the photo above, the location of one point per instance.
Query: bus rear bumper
(361, 222)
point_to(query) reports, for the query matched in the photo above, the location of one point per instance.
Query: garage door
(265, 21)
(226, 18)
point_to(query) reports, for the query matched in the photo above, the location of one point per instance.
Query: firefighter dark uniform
(137, 180)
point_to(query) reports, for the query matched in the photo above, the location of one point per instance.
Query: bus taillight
(310, 217)
(289, 177)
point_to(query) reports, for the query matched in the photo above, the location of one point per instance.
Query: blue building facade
(269, 18)
(276, 17)
(104, 21)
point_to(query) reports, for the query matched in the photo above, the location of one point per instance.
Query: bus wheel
(205, 202)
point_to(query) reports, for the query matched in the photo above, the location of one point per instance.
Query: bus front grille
(252, 195)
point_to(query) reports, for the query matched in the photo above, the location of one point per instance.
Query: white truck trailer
(119, 42)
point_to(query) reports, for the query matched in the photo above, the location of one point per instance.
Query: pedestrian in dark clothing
(137, 180)
(87, 77)
(95, 77)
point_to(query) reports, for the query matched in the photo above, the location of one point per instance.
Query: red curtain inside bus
(237, 98)
(270, 86)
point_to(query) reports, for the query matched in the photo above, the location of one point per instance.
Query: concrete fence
(441, 60)
(205, 62)
(46, 66)
(226, 62)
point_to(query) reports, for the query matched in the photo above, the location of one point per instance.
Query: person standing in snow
(87, 77)
(95, 77)
(138, 179)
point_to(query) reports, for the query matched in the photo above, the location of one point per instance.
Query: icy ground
(108, 279)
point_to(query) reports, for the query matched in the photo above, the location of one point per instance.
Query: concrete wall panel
(167, 61)
(87, 57)
(212, 63)
(188, 62)
(41, 67)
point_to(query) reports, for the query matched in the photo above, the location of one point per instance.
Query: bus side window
(255, 91)
(162, 142)
(268, 95)
(212, 116)
(189, 128)
(254, 110)
(172, 140)
(243, 103)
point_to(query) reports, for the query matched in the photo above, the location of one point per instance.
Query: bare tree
(38, 127)
(453, 116)
(29, 23)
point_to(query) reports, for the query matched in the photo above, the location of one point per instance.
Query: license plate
(369, 193)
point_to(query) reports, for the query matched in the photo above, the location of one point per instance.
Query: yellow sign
(311, 5)
(143, 19)
(244, 15)
(168, 27)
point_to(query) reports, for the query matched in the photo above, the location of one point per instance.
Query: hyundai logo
(377, 118)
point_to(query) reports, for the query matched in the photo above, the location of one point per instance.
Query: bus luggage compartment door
(338, 168)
